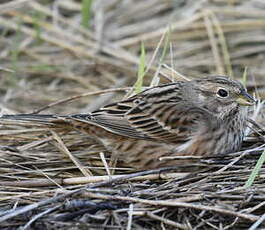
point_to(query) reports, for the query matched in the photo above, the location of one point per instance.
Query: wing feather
(155, 114)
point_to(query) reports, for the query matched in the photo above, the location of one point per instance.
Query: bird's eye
(222, 93)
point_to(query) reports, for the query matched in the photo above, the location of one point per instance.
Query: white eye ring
(223, 93)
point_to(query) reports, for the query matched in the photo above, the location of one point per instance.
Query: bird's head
(221, 95)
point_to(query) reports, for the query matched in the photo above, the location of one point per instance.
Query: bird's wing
(158, 113)
(112, 118)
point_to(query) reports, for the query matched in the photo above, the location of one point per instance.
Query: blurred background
(52, 50)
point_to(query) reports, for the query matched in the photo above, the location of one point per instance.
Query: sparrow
(201, 117)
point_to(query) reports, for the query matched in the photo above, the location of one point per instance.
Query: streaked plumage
(199, 117)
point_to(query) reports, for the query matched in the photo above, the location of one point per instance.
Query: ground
(56, 59)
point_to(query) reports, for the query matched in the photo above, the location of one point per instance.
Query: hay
(57, 179)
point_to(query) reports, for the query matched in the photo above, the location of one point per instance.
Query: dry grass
(52, 64)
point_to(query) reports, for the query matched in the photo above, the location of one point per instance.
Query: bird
(205, 116)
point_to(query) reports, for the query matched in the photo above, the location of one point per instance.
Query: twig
(103, 159)
(257, 223)
(65, 150)
(172, 203)
(88, 180)
(104, 99)
(166, 221)
(12, 5)
(177, 74)
(55, 199)
(39, 215)
(130, 217)
(231, 163)
(77, 97)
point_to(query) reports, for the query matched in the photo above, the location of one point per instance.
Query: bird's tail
(42, 119)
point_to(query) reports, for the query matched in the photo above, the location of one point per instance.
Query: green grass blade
(86, 12)
(141, 71)
(255, 171)
(37, 18)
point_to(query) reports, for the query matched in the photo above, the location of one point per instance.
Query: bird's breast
(225, 138)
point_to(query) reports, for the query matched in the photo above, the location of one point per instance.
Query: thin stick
(172, 203)
(18, 211)
(39, 215)
(103, 159)
(130, 216)
(257, 223)
(166, 221)
(178, 74)
(88, 180)
(12, 5)
(64, 149)
(79, 96)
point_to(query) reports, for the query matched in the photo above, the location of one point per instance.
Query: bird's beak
(245, 99)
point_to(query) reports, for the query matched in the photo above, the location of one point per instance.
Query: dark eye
(222, 93)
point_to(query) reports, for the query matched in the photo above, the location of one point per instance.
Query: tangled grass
(54, 62)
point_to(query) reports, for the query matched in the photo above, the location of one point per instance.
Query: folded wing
(157, 115)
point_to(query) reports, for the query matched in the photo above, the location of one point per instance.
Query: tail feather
(38, 118)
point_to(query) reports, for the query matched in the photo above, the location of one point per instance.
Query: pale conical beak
(245, 99)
